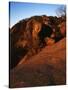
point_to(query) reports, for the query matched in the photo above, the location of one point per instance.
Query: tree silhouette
(61, 11)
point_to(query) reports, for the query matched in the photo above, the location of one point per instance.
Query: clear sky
(22, 10)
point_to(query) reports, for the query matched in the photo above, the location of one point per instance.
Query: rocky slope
(38, 52)
(46, 68)
(30, 35)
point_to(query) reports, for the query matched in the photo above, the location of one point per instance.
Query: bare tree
(61, 11)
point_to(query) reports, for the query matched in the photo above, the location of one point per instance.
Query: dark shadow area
(15, 56)
(45, 31)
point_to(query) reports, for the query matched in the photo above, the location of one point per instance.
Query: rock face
(29, 36)
(46, 68)
(38, 52)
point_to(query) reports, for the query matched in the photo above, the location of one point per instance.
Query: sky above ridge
(22, 10)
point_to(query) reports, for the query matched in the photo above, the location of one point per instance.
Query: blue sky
(22, 10)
